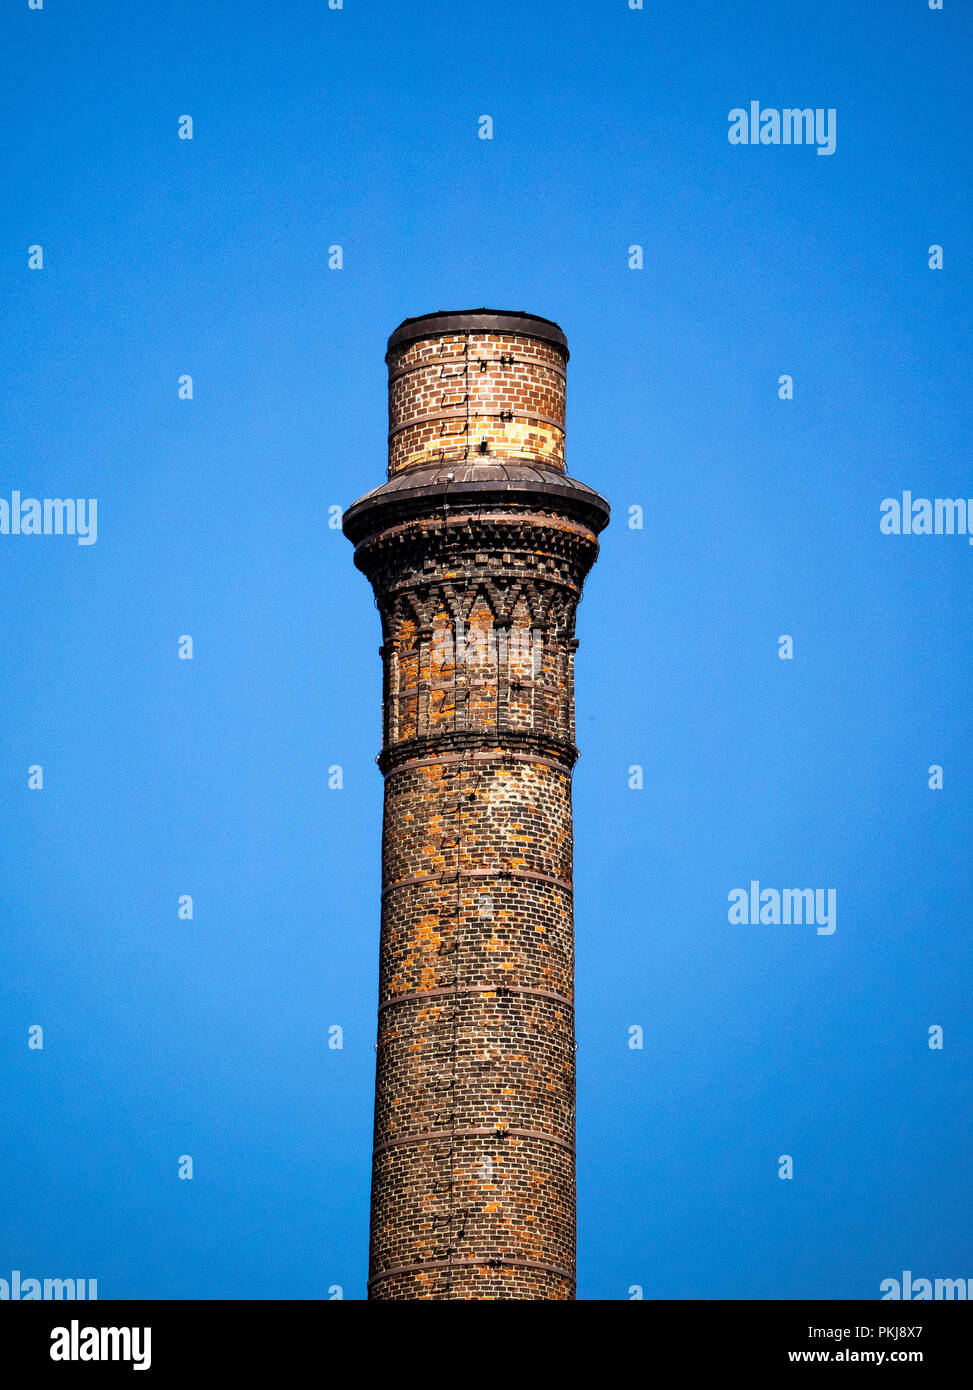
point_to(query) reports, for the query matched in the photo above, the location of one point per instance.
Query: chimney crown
(476, 383)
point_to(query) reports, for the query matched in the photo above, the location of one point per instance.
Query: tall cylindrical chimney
(477, 548)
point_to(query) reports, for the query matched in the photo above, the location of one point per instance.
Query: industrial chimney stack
(477, 548)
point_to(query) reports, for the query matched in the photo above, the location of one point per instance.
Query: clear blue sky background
(359, 127)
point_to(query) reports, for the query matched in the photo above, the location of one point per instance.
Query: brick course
(477, 577)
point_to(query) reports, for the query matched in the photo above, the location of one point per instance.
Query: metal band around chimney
(501, 755)
(499, 990)
(451, 875)
(434, 1135)
(433, 362)
(472, 418)
(491, 1261)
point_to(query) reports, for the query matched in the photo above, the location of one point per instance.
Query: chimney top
(513, 321)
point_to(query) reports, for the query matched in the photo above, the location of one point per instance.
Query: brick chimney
(476, 548)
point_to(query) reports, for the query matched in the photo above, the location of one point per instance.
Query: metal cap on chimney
(514, 321)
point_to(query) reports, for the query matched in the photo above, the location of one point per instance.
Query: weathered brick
(477, 560)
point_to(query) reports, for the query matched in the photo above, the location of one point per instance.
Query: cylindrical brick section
(476, 390)
(477, 549)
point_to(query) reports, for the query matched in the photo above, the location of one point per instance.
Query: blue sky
(162, 257)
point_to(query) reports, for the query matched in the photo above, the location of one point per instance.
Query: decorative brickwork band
(477, 548)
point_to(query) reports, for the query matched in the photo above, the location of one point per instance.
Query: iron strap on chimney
(496, 1132)
(491, 1261)
(454, 414)
(500, 990)
(446, 875)
(482, 362)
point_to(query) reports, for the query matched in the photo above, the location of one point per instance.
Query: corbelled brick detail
(477, 572)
